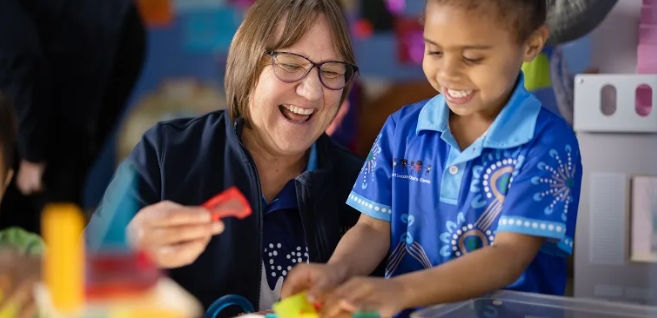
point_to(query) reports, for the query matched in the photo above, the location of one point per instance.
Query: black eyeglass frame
(354, 67)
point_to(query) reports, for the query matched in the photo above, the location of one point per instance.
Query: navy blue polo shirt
(523, 175)
(284, 239)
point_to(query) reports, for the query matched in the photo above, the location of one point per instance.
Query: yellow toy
(296, 306)
(65, 291)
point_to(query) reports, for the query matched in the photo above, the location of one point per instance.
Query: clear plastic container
(509, 304)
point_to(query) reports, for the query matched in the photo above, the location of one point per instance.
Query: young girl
(471, 191)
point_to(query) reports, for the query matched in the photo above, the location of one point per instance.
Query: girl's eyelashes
(472, 60)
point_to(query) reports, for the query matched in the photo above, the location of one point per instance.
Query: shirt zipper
(254, 172)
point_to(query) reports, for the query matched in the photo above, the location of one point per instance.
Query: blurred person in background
(570, 20)
(68, 69)
(549, 76)
(20, 250)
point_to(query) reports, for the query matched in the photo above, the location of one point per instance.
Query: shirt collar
(512, 127)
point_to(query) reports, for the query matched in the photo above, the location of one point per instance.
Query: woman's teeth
(299, 110)
(296, 114)
(458, 94)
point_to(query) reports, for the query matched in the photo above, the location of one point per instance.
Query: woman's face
(279, 110)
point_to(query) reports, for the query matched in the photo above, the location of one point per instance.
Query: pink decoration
(643, 100)
(647, 69)
(648, 15)
(646, 56)
(396, 6)
(647, 34)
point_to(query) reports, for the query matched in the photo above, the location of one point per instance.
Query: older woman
(289, 68)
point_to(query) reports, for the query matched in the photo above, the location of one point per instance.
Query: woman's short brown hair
(257, 33)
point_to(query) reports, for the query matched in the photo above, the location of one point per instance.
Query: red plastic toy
(230, 203)
(119, 274)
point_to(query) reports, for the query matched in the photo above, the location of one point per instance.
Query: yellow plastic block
(144, 313)
(309, 315)
(64, 258)
(9, 311)
(296, 306)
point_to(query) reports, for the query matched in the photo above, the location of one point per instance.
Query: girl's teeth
(458, 94)
(299, 110)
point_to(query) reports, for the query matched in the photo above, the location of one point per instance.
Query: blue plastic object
(227, 301)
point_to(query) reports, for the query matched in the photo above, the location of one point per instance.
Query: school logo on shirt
(413, 170)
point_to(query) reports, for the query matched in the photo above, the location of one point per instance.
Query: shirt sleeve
(372, 192)
(136, 184)
(544, 193)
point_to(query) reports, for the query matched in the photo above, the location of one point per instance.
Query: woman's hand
(18, 277)
(172, 234)
(29, 178)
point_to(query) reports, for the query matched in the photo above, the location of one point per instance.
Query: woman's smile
(295, 114)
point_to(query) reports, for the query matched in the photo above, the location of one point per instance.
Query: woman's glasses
(290, 67)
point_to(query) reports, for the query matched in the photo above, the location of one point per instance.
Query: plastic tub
(509, 304)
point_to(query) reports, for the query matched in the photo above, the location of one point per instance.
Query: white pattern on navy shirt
(275, 267)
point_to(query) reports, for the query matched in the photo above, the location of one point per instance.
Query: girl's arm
(482, 271)
(362, 248)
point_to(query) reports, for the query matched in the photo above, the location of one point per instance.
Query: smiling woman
(289, 68)
(289, 108)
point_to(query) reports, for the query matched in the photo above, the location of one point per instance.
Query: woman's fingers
(170, 235)
(177, 255)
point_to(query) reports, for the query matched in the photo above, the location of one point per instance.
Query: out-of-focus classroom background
(186, 47)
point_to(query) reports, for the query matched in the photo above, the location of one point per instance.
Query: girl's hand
(365, 294)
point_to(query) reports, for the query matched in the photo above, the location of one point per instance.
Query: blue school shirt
(524, 176)
(283, 239)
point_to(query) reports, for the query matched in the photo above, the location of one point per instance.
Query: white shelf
(588, 115)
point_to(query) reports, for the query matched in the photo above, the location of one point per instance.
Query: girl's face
(474, 59)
